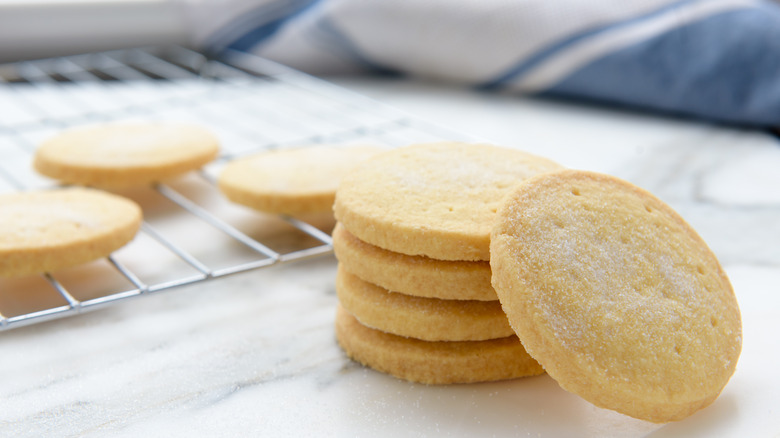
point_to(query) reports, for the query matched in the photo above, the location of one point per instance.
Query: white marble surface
(254, 354)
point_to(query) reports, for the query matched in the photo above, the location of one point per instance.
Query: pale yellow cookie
(291, 181)
(48, 230)
(433, 362)
(125, 154)
(413, 275)
(615, 295)
(435, 199)
(429, 319)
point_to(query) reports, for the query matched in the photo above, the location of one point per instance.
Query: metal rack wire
(251, 103)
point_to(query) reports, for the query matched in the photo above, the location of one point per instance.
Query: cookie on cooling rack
(123, 154)
(435, 199)
(291, 181)
(615, 295)
(413, 275)
(48, 230)
(429, 319)
(433, 362)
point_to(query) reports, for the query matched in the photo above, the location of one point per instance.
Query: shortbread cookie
(615, 295)
(125, 154)
(429, 319)
(291, 181)
(433, 362)
(413, 275)
(435, 199)
(54, 229)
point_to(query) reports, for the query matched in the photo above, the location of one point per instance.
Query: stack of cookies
(608, 288)
(414, 281)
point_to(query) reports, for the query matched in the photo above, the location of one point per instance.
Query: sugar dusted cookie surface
(435, 199)
(413, 275)
(615, 295)
(49, 230)
(125, 154)
(429, 319)
(433, 362)
(291, 181)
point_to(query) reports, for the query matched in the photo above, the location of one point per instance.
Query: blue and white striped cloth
(713, 59)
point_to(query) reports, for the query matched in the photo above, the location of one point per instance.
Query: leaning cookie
(291, 181)
(125, 154)
(437, 199)
(615, 295)
(428, 319)
(433, 362)
(49, 230)
(413, 275)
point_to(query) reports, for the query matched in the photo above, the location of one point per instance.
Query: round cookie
(433, 362)
(434, 199)
(54, 229)
(291, 181)
(429, 319)
(125, 154)
(413, 275)
(615, 295)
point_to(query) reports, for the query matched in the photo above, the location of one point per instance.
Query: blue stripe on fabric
(528, 63)
(724, 68)
(262, 32)
(256, 25)
(227, 33)
(340, 41)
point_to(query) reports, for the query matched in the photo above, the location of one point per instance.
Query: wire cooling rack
(190, 232)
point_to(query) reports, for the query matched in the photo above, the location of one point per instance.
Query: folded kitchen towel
(712, 59)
